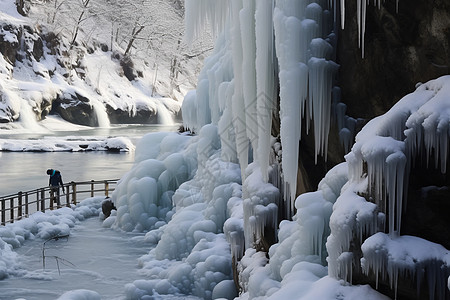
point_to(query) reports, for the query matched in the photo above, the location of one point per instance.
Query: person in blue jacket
(54, 182)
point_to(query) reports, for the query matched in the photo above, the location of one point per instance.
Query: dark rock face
(401, 49)
(8, 47)
(22, 7)
(428, 203)
(143, 115)
(75, 109)
(128, 68)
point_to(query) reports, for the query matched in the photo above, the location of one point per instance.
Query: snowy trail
(105, 260)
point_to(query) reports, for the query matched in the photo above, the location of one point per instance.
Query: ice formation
(388, 146)
(270, 41)
(411, 256)
(144, 194)
(179, 192)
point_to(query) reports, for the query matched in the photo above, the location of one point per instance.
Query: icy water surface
(96, 258)
(24, 171)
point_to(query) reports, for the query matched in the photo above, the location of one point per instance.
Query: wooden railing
(21, 205)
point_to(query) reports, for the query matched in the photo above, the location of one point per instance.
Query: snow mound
(80, 295)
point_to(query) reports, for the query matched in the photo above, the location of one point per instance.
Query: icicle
(345, 261)
(201, 12)
(320, 83)
(293, 76)
(266, 97)
(361, 19)
(238, 99)
(248, 40)
(225, 124)
(394, 182)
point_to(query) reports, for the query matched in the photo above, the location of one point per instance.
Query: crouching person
(107, 207)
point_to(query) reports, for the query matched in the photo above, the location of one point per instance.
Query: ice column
(247, 22)
(200, 13)
(239, 118)
(265, 82)
(293, 76)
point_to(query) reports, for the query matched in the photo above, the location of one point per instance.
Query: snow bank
(395, 257)
(80, 295)
(70, 143)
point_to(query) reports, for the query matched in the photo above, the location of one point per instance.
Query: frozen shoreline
(70, 144)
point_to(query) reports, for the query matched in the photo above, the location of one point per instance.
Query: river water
(23, 171)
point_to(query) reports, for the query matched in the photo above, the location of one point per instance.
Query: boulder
(76, 109)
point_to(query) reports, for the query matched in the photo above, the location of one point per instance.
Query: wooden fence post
(11, 209)
(37, 200)
(3, 211)
(67, 196)
(52, 198)
(26, 204)
(42, 200)
(19, 205)
(92, 188)
(74, 192)
(106, 188)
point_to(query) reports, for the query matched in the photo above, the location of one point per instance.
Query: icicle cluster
(267, 42)
(361, 9)
(396, 257)
(417, 126)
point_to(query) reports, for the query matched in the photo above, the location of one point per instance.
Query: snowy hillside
(86, 78)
